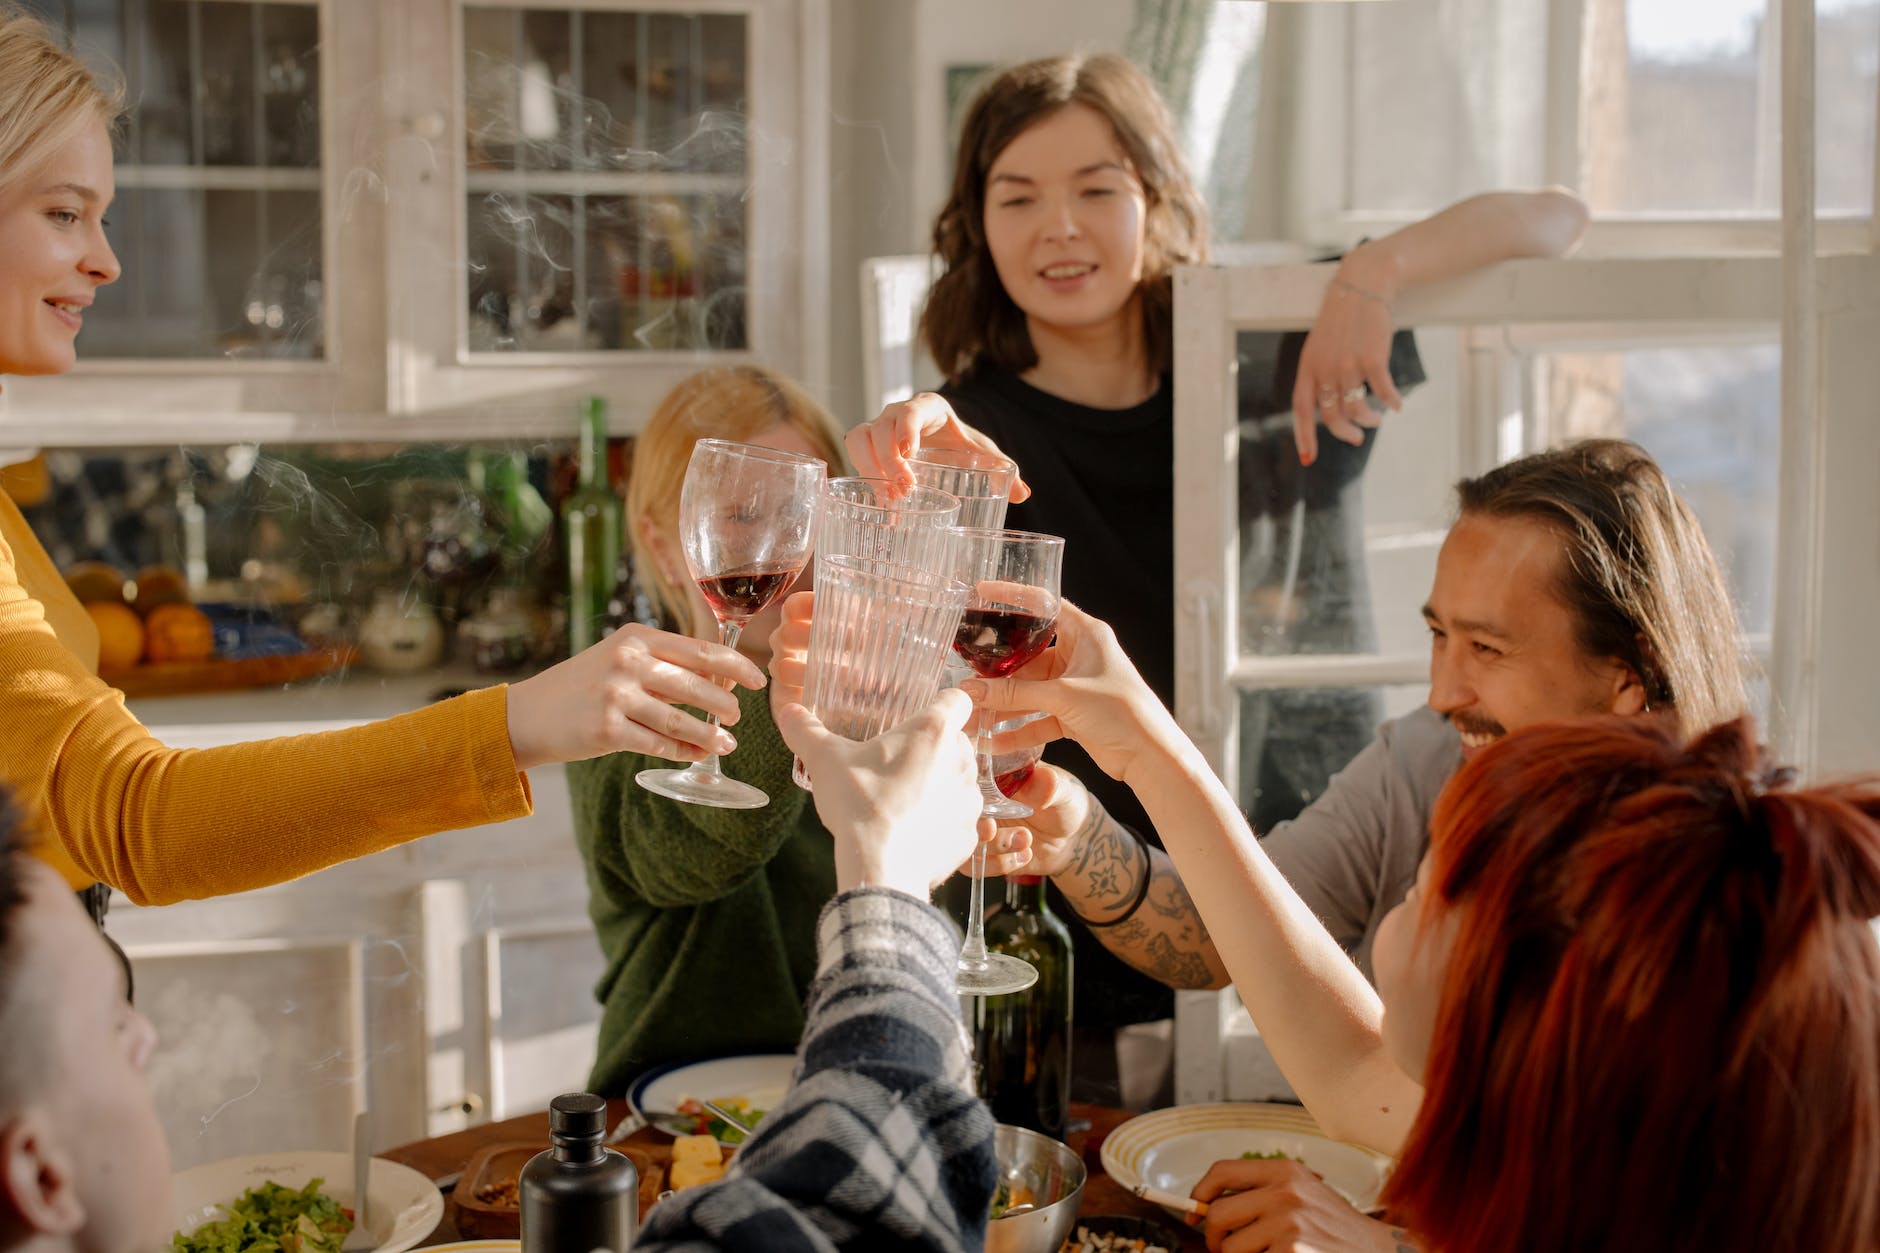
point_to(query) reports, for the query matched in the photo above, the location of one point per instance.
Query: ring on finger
(1353, 395)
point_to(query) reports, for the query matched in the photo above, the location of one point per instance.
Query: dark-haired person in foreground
(880, 1141)
(1631, 1002)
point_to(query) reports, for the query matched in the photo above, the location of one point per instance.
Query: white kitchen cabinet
(422, 219)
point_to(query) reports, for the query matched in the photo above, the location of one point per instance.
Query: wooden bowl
(497, 1164)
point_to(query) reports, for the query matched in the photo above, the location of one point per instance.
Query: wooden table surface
(444, 1155)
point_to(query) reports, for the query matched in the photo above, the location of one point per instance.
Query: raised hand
(1348, 348)
(880, 448)
(904, 806)
(621, 695)
(1088, 690)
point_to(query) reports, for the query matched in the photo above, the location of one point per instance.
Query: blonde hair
(46, 96)
(726, 402)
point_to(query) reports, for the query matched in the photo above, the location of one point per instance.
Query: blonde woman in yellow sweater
(165, 824)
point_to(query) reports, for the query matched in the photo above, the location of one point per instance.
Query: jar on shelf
(400, 637)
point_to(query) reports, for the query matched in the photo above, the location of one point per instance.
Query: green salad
(273, 1219)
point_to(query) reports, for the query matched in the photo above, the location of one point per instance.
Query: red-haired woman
(1632, 1003)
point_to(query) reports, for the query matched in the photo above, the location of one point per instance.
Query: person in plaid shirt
(880, 1137)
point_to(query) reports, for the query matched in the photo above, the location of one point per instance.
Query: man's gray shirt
(1353, 854)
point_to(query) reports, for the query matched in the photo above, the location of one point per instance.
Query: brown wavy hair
(969, 318)
(1638, 573)
(1659, 1027)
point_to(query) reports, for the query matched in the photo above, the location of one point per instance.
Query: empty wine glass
(747, 519)
(1011, 614)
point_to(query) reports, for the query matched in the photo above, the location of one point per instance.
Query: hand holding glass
(747, 518)
(1011, 614)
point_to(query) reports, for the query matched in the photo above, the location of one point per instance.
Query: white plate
(478, 1246)
(405, 1206)
(761, 1079)
(1172, 1148)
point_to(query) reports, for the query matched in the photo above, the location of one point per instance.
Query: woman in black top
(1052, 320)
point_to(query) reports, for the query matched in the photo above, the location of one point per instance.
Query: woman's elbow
(1557, 222)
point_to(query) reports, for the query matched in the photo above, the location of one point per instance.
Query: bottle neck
(1025, 892)
(593, 446)
(577, 1148)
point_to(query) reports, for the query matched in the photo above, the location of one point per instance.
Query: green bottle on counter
(591, 520)
(1022, 1041)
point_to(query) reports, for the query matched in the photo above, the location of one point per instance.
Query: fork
(360, 1239)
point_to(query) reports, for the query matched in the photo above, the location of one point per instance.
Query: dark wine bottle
(591, 519)
(1022, 1041)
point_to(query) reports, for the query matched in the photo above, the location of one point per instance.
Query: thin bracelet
(1142, 893)
(1354, 289)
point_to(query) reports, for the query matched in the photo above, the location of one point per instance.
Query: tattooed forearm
(1106, 871)
(1165, 938)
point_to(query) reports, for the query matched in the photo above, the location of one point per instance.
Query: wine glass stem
(982, 747)
(973, 952)
(728, 633)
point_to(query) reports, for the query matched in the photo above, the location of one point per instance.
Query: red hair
(1660, 1023)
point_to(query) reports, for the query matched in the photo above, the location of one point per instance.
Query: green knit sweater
(706, 917)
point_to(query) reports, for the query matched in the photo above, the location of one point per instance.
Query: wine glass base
(998, 806)
(698, 787)
(1003, 974)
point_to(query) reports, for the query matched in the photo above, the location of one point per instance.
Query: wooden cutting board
(178, 678)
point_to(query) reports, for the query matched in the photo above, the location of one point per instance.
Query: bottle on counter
(591, 519)
(578, 1196)
(1022, 1041)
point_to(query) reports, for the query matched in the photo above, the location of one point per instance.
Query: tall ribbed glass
(881, 521)
(981, 481)
(880, 634)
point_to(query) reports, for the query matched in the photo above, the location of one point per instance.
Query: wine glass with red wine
(747, 519)
(1011, 615)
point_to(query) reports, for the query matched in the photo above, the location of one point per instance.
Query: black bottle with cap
(579, 1196)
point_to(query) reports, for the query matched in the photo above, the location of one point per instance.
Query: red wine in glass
(996, 641)
(1012, 780)
(742, 593)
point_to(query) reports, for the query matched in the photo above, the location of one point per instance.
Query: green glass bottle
(591, 521)
(1022, 1042)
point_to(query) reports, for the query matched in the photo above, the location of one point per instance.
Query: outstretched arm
(1322, 1020)
(1349, 346)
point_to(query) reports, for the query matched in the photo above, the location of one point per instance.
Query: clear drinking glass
(878, 642)
(981, 481)
(747, 518)
(1010, 616)
(882, 521)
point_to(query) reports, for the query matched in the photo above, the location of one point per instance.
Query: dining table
(443, 1158)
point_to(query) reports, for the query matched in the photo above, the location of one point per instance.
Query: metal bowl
(1055, 1177)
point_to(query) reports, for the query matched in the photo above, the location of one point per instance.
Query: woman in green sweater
(706, 917)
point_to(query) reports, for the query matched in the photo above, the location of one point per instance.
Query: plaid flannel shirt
(880, 1140)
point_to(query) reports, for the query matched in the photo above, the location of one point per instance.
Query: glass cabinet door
(218, 215)
(605, 184)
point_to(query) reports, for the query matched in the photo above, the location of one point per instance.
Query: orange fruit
(159, 585)
(120, 635)
(96, 581)
(179, 633)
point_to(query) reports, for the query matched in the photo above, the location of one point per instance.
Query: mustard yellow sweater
(165, 824)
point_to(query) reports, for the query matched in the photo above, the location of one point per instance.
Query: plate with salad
(749, 1086)
(1172, 1148)
(297, 1202)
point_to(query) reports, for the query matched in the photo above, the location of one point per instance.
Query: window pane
(1446, 100)
(1712, 418)
(607, 180)
(1688, 118)
(217, 222)
(1293, 740)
